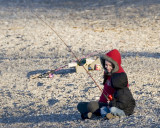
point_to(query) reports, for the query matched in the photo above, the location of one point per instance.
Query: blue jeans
(116, 111)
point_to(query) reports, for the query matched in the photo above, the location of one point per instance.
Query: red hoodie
(115, 58)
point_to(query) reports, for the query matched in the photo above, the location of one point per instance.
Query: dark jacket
(122, 98)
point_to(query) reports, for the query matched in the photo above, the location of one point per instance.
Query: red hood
(115, 58)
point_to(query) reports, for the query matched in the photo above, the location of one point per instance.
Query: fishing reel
(110, 97)
(81, 62)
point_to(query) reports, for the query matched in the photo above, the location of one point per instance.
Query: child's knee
(113, 109)
(82, 107)
(93, 106)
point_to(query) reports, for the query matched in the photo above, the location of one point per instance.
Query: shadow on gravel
(75, 4)
(82, 5)
(140, 54)
(40, 118)
(60, 72)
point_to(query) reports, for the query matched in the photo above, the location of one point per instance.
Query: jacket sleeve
(119, 83)
(121, 102)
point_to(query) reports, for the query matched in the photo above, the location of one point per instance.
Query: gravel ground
(28, 46)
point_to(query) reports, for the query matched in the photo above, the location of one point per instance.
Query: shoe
(110, 116)
(86, 115)
(89, 115)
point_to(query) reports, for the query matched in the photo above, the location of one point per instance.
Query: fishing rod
(108, 97)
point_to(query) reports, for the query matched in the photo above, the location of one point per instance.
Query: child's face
(108, 66)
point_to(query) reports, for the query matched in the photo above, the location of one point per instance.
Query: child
(111, 63)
